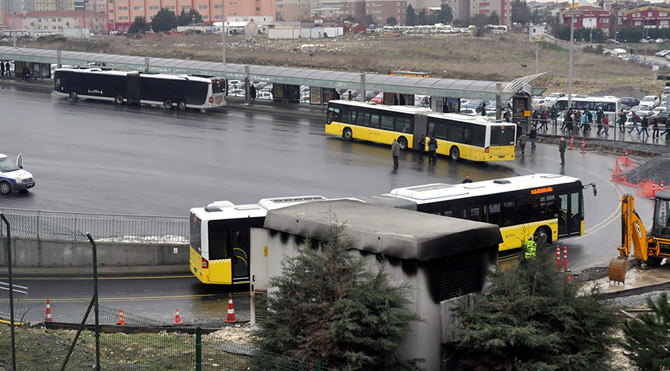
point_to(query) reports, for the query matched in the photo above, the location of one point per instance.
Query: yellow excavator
(650, 248)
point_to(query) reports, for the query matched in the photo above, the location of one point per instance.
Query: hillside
(495, 57)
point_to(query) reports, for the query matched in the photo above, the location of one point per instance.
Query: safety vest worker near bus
(530, 248)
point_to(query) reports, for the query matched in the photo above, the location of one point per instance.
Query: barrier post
(653, 189)
(616, 169)
(571, 141)
(558, 257)
(661, 184)
(565, 257)
(583, 145)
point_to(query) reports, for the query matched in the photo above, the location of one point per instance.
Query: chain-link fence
(54, 279)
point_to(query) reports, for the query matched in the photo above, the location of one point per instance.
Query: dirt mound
(621, 91)
(655, 169)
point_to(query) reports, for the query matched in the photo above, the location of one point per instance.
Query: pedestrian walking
(635, 120)
(532, 135)
(2, 68)
(467, 179)
(606, 126)
(622, 121)
(522, 143)
(422, 147)
(644, 126)
(599, 119)
(395, 152)
(562, 145)
(7, 71)
(654, 128)
(482, 109)
(26, 74)
(432, 148)
(553, 113)
(252, 94)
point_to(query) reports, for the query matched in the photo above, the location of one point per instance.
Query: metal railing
(105, 227)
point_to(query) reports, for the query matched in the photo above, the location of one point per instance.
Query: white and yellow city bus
(473, 138)
(546, 206)
(220, 237)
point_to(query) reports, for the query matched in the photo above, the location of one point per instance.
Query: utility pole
(572, 46)
(223, 28)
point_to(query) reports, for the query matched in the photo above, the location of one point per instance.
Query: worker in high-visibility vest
(530, 248)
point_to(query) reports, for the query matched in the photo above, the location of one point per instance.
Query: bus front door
(570, 214)
(240, 245)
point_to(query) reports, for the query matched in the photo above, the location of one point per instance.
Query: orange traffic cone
(121, 321)
(47, 317)
(177, 318)
(231, 310)
(569, 278)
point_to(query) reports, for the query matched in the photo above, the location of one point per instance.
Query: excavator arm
(632, 230)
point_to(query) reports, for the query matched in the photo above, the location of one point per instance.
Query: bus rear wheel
(73, 96)
(542, 236)
(455, 154)
(118, 99)
(181, 105)
(403, 143)
(347, 134)
(167, 104)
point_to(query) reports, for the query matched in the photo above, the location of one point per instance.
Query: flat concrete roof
(404, 234)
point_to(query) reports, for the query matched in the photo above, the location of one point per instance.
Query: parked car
(662, 53)
(650, 101)
(630, 101)
(658, 110)
(611, 41)
(12, 176)
(665, 94)
(378, 99)
(551, 99)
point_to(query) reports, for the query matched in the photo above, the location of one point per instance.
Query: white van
(12, 176)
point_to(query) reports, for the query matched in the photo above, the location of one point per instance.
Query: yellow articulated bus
(220, 237)
(546, 206)
(410, 73)
(473, 138)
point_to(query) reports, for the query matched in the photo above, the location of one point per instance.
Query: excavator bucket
(618, 268)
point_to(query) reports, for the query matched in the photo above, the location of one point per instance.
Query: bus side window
(447, 213)
(431, 129)
(476, 214)
(478, 136)
(441, 131)
(467, 136)
(402, 124)
(494, 214)
(333, 114)
(363, 119)
(387, 122)
(374, 121)
(507, 214)
(455, 133)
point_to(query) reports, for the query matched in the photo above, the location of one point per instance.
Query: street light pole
(572, 46)
(223, 29)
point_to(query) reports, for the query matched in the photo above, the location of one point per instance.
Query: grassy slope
(495, 57)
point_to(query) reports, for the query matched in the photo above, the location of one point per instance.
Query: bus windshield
(502, 135)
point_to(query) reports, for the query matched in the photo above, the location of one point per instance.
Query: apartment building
(466, 9)
(56, 21)
(121, 13)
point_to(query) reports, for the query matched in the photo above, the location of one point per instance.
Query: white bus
(610, 105)
(182, 91)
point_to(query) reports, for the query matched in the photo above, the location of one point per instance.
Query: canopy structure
(471, 89)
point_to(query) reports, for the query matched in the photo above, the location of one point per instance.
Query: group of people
(4, 69)
(431, 143)
(575, 120)
(541, 117)
(641, 124)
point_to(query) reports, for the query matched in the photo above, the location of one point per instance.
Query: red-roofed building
(647, 16)
(590, 17)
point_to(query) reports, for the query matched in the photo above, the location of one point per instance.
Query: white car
(662, 53)
(551, 99)
(12, 176)
(650, 101)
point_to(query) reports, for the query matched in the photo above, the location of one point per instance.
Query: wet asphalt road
(102, 158)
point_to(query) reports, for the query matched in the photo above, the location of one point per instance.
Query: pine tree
(327, 306)
(533, 318)
(647, 340)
